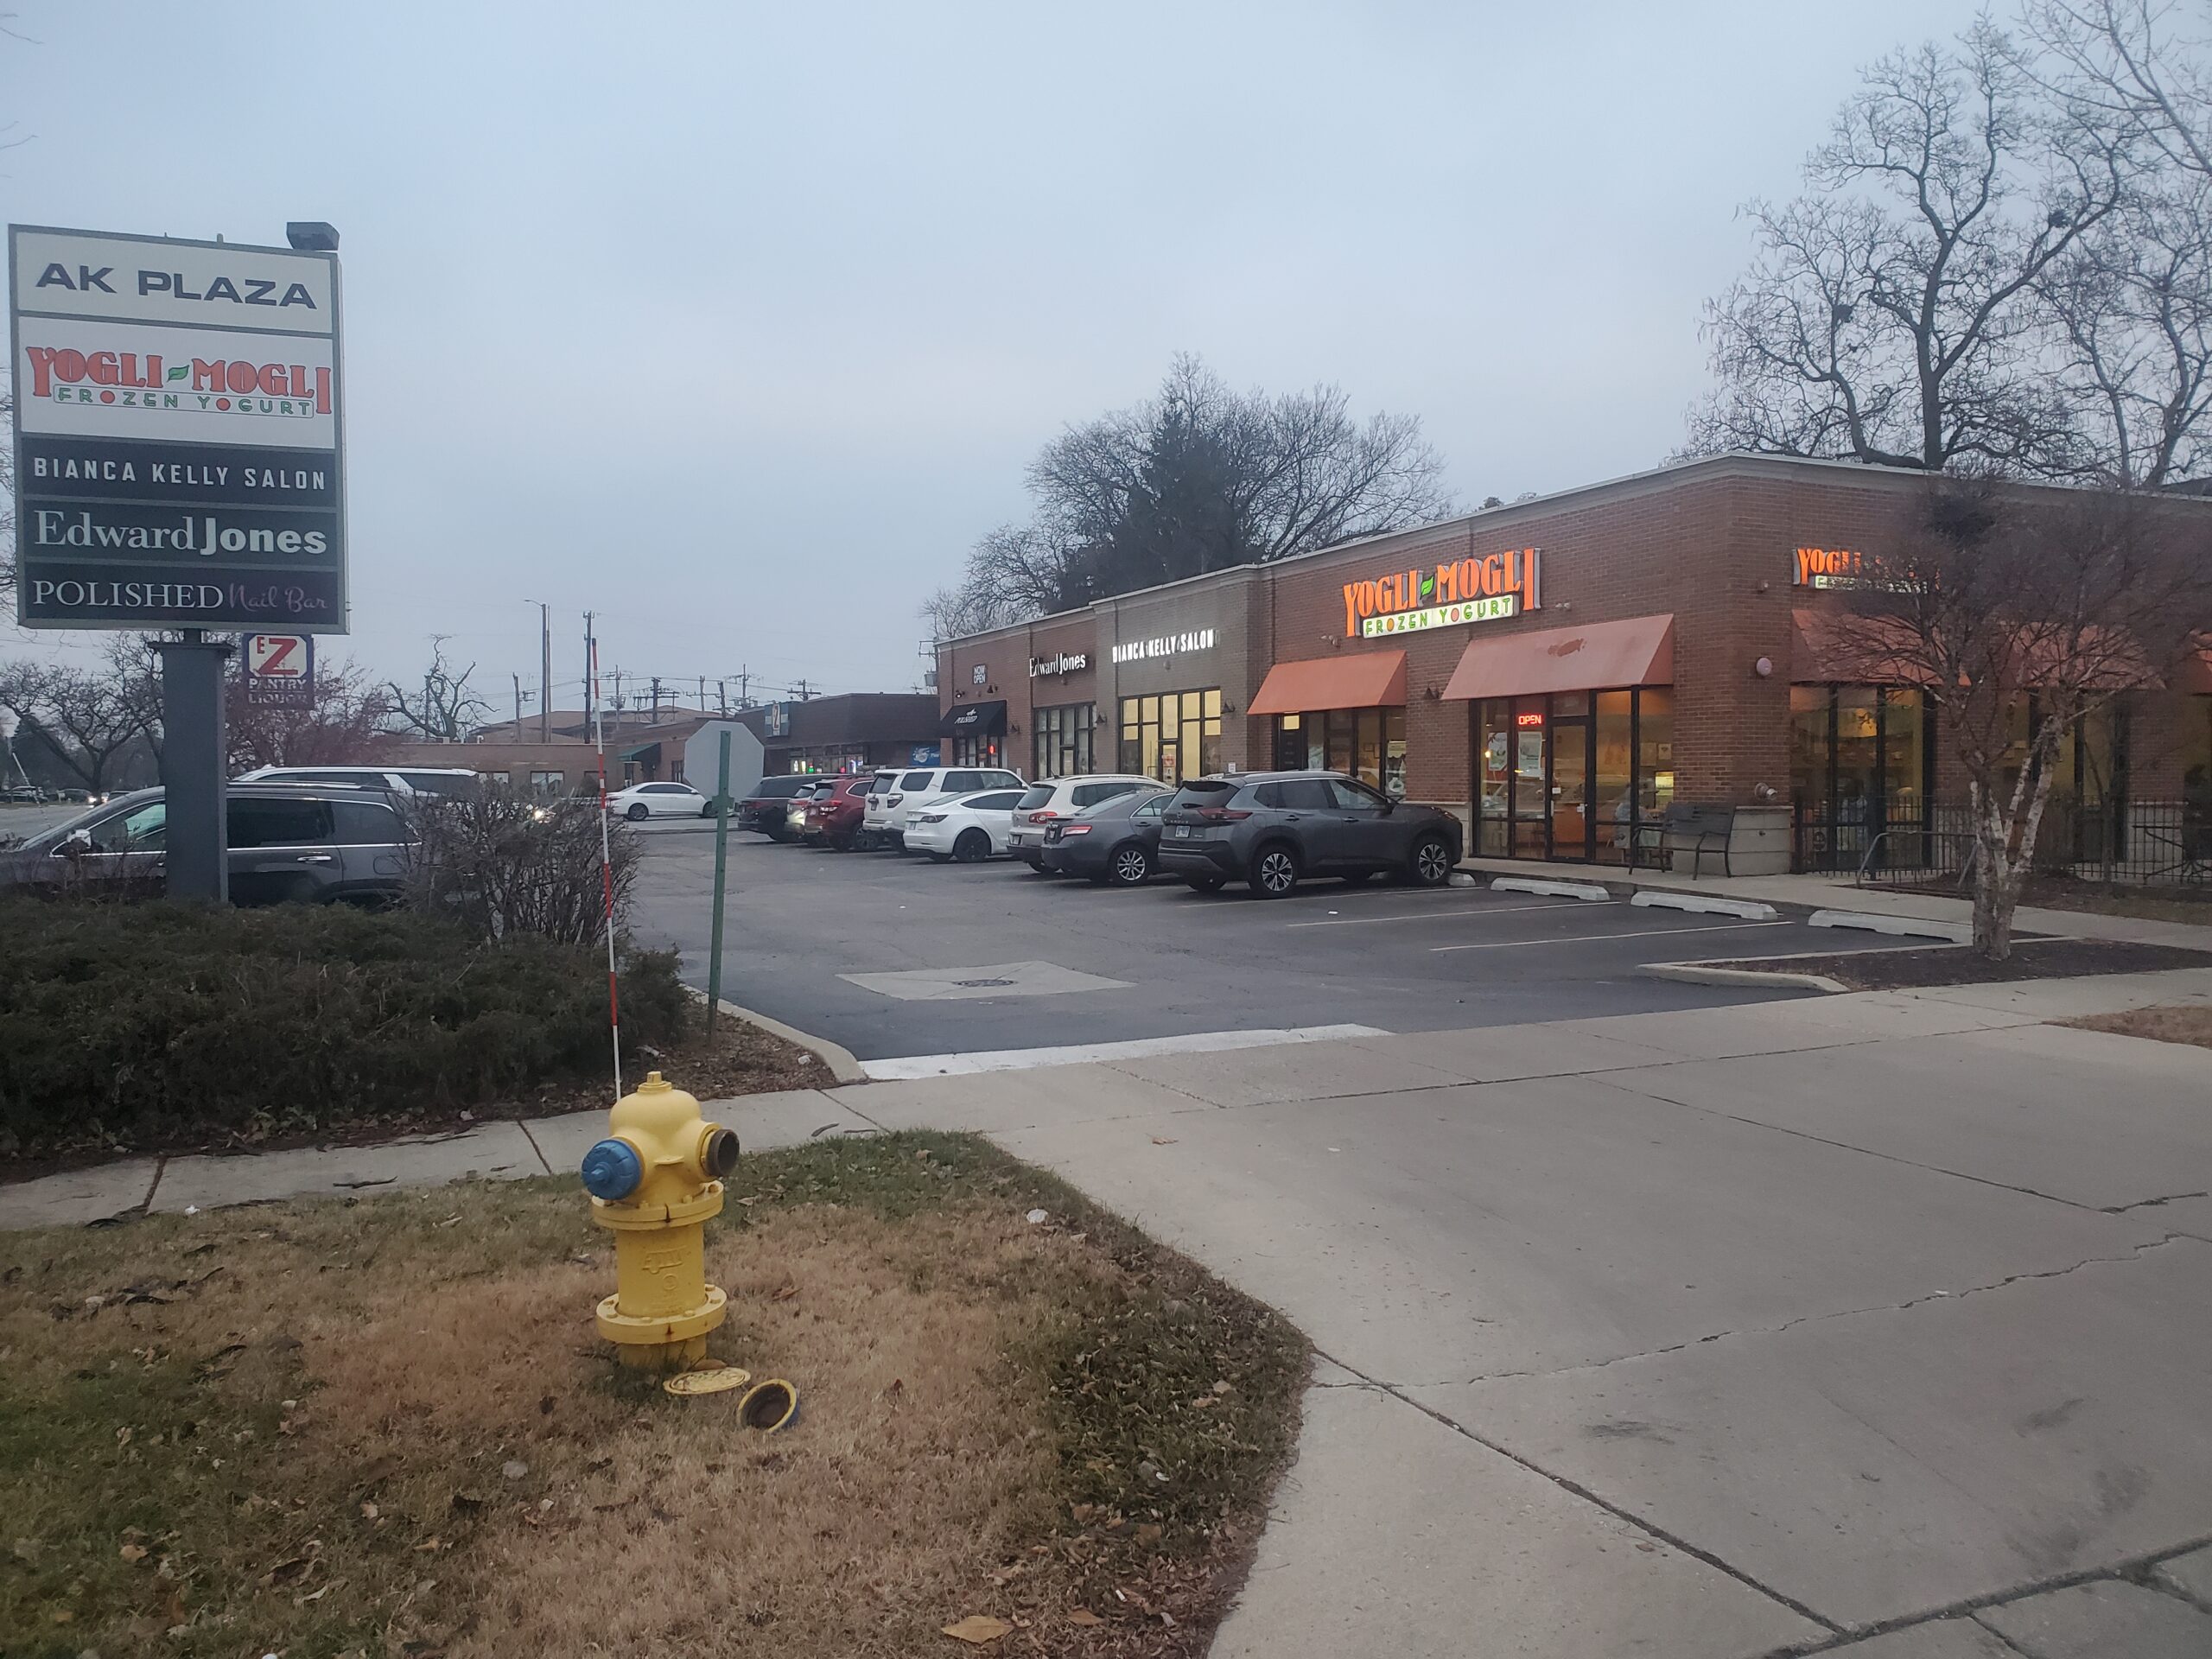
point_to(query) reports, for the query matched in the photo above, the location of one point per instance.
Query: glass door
(1571, 778)
(1531, 779)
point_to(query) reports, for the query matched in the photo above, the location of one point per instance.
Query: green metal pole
(721, 875)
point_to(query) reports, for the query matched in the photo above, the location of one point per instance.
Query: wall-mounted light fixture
(1227, 707)
(1763, 667)
(1431, 693)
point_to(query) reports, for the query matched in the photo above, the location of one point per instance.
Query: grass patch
(386, 1427)
(2172, 1024)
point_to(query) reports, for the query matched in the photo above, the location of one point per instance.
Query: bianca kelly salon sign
(178, 433)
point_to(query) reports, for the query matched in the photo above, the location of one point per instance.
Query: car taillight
(1044, 817)
(1067, 830)
(1222, 814)
(892, 800)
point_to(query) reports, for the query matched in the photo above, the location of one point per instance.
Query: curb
(843, 1067)
(1697, 973)
(1589, 892)
(1909, 927)
(1750, 910)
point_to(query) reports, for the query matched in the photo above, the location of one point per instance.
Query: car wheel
(638, 811)
(1273, 872)
(1205, 883)
(973, 847)
(1131, 866)
(1431, 865)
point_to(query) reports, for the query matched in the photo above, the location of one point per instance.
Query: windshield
(1040, 795)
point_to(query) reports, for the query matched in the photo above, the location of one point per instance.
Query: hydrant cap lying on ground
(613, 1170)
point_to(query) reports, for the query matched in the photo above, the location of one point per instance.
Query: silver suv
(308, 843)
(1063, 798)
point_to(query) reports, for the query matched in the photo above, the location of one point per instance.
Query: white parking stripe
(1457, 910)
(1592, 939)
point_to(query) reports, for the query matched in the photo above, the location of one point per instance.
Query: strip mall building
(1557, 671)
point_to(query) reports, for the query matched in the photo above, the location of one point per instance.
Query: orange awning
(1637, 650)
(1853, 650)
(1367, 679)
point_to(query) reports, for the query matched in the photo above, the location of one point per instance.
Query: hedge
(149, 1024)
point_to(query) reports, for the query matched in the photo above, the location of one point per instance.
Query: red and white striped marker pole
(606, 870)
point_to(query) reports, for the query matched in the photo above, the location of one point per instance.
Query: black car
(314, 844)
(1116, 840)
(1274, 828)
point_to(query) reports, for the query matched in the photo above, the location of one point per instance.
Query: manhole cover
(979, 984)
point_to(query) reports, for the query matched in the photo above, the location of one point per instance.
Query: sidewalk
(1837, 893)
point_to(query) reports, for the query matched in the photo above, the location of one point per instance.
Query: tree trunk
(1996, 882)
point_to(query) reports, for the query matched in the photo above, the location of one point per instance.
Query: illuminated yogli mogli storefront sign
(1487, 589)
(1064, 662)
(1167, 644)
(1840, 569)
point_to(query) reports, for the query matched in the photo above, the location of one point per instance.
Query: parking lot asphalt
(883, 952)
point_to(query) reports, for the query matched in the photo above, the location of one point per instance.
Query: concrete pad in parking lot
(1802, 1023)
(2004, 1106)
(1457, 1233)
(1906, 1458)
(1393, 1535)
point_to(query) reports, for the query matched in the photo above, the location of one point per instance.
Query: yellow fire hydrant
(654, 1182)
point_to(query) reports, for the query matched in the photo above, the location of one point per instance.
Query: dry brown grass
(325, 1404)
(2175, 1025)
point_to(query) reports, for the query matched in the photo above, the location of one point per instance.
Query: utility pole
(803, 693)
(591, 675)
(744, 681)
(722, 693)
(703, 694)
(656, 679)
(545, 675)
(517, 679)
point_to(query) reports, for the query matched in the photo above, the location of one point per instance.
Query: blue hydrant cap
(612, 1170)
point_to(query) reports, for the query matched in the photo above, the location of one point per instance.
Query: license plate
(1182, 832)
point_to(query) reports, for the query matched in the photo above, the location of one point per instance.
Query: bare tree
(1892, 315)
(1998, 606)
(445, 708)
(1197, 478)
(87, 718)
(500, 864)
(345, 725)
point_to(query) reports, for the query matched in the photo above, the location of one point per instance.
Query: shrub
(500, 863)
(150, 1023)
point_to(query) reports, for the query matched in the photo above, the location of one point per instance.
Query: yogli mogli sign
(179, 433)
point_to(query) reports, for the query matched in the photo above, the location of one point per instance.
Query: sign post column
(193, 775)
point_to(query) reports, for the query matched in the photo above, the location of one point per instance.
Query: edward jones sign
(178, 433)
(1485, 589)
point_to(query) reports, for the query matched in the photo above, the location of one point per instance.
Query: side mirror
(74, 844)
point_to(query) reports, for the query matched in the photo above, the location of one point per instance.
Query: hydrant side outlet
(612, 1170)
(655, 1183)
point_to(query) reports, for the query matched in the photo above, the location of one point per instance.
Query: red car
(833, 817)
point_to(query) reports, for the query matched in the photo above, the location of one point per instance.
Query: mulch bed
(1924, 966)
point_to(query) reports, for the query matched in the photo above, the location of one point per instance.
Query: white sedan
(969, 828)
(642, 801)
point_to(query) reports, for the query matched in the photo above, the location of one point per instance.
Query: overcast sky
(737, 324)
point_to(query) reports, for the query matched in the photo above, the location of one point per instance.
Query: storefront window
(972, 751)
(1062, 740)
(1172, 736)
(1860, 760)
(1576, 775)
(1810, 741)
(1370, 744)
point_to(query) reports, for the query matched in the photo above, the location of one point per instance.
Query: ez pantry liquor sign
(178, 433)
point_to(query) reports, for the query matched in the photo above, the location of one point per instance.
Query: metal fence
(2143, 842)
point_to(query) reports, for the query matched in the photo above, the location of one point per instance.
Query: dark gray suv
(314, 843)
(1274, 828)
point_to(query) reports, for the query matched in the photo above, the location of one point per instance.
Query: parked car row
(1269, 829)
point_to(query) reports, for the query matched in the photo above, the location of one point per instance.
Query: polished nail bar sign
(179, 433)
